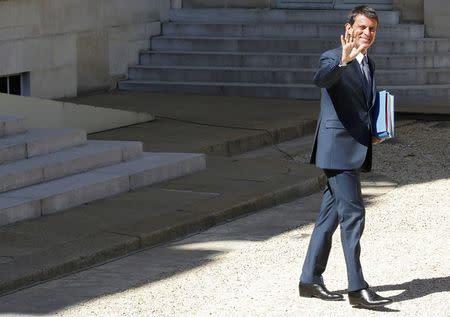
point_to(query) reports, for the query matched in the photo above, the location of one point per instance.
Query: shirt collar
(360, 57)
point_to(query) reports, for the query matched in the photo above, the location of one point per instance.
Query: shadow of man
(416, 288)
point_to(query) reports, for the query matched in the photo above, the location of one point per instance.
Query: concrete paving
(250, 266)
(238, 180)
(36, 250)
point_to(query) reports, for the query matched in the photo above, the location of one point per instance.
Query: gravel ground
(419, 153)
(243, 271)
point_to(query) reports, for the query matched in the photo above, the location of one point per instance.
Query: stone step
(10, 125)
(53, 196)
(289, 4)
(301, 91)
(36, 142)
(262, 16)
(253, 44)
(284, 30)
(277, 75)
(279, 59)
(294, 91)
(67, 162)
(420, 94)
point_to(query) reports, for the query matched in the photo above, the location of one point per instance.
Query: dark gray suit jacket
(343, 138)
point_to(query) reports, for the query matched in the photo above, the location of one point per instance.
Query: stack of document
(383, 116)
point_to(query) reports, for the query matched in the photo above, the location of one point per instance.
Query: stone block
(54, 82)
(69, 16)
(80, 159)
(11, 152)
(83, 188)
(68, 162)
(248, 3)
(151, 168)
(204, 3)
(72, 190)
(436, 13)
(64, 45)
(170, 167)
(18, 209)
(118, 12)
(126, 42)
(19, 13)
(226, 3)
(230, 15)
(131, 150)
(176, 4)
(411, 10)
(10, 125)
(44, 141)
(287, 30)
(301, 91)
(12, 33)
(282, 45)
(39, 141)
(100, 183)
(92, 61)
(13, 176)
(285, 60)
(50, 60)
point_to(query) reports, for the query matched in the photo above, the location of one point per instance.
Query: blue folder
(383, 116)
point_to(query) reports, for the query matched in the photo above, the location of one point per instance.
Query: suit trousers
(342, 205)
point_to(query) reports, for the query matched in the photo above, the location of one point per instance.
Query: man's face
(364, 30)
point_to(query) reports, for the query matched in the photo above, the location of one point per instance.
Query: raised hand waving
(349, 49)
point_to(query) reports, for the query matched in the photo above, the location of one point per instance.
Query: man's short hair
(364, 10)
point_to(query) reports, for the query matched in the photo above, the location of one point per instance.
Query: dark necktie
(367, 77)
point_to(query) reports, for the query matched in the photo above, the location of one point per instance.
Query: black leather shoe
(367, 298)
(317, 291)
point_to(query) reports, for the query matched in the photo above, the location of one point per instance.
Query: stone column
(436, 17)
(410, 10)
(176, 4)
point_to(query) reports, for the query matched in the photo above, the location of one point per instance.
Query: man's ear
(348, 28)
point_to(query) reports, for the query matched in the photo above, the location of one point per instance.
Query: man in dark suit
(343, 148)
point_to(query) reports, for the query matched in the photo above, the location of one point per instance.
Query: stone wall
(75, 46)
(436, 16)
(226, 3)
(411, 10)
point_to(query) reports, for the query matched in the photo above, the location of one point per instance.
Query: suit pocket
(334, 124)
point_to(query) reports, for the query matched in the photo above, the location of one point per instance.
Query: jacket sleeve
(329, 71)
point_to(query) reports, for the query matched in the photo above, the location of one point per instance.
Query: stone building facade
(62, 48)
(433, 13)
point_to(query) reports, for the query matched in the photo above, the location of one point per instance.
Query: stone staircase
(274, 53)
(43, 171)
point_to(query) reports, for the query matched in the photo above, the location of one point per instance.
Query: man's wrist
(342, 62)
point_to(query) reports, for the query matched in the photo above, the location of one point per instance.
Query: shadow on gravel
(379, 309)
(117, 276)
(418, 154)
(132, 273)
(417, 288)
(414, 289)
(165, 261)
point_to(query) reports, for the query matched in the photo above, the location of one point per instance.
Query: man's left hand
(376, 140)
